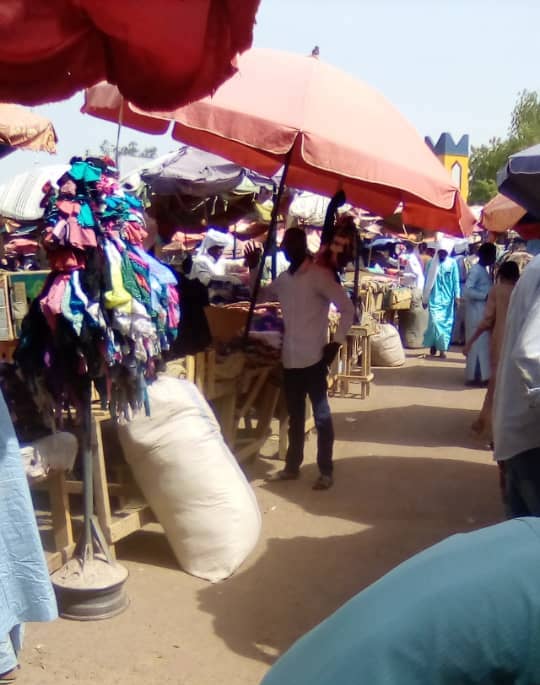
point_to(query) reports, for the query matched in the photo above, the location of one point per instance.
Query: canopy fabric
(22, 196)
(162, 53)
(501, 213)
(197, 173)
(21, 128)
(519, 179)
(335, 131)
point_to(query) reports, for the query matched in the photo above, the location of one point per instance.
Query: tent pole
(120, 122)
(270, 242)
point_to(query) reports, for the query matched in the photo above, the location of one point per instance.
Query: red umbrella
(330, 130)
(161, 53)
(501, 213)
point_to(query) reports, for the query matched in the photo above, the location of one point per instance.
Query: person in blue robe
(466, 610)
(26, 592)
(441, 290)
(475, 294)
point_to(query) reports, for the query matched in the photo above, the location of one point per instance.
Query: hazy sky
(447, 65)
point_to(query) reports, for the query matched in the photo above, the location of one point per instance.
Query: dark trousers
(522, 484)
(297, 384)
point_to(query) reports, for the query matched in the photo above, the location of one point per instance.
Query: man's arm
(267, 293)
(526, 354)
(335, 293)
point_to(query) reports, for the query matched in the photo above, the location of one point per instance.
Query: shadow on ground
(298, 581)
(439, 426)
(444, 375)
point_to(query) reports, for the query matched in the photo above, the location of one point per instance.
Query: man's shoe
(284, 475)
(323, 483)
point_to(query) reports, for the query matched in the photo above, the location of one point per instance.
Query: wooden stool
(357, 345)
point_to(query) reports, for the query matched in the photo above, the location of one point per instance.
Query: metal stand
(91, 585)
(268, 246)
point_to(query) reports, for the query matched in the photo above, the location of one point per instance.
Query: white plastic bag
(191, 480)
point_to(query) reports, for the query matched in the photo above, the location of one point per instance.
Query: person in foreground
(305, 292)
(441, 290)
(516, 423)
(25, 588)
(457, 613)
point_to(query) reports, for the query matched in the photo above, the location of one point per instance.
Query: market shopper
(475, 293)
(466, 610)
(441, 291)
(494, 322)
(207, 264)
(25, 587)
(305, 292)
(413, 272)
(517, 398)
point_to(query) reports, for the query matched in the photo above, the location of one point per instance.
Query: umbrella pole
(118, 130)
(270, 242)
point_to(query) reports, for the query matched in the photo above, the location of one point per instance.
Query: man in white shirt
(516, 428)
(413, 272)
(305, 292)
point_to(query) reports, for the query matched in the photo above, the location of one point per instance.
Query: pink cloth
(51, 303)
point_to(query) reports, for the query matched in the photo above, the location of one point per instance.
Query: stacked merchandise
(108, 310)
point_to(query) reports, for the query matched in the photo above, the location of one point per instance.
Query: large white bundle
(192, 481)
(20, 197)
(386, 347)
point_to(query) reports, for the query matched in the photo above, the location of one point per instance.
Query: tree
(486, 160)
(108, 149)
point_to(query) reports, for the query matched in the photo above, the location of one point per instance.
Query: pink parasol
(330, 130)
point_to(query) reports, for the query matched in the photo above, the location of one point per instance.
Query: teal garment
(446, 289)
(85, 171)
(465, 611)
(85, 216)
(475, 294)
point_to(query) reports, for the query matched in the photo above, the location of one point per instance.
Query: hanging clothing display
(108, 310)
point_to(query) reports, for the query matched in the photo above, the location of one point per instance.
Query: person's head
(294, 245)
(508, 272)
(442, 254)
(487, 254)
(430, 251)
(422, 248)
(518, 245)
(343, 244)
(215, 251)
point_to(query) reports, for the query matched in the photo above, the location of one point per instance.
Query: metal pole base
(90, 586)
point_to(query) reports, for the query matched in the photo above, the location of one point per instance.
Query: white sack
(53, 452)
(386, 347)
(191, 480)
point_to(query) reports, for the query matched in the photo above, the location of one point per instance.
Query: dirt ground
(408, 474)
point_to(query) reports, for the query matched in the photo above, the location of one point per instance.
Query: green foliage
(486, 160)
(108, 149)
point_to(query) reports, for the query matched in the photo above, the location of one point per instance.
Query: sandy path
(407, 475)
